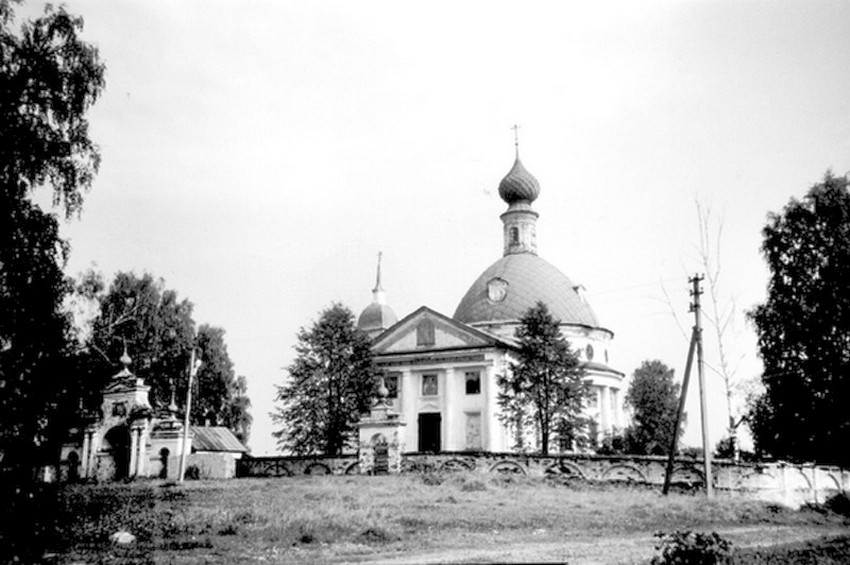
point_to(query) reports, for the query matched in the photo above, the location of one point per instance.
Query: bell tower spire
(378, 296)
(378, 316)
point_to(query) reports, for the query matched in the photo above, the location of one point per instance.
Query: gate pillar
(381, 438)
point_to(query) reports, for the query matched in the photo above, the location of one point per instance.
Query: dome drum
(519, 234)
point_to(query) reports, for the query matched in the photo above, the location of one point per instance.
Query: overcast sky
(258, 156)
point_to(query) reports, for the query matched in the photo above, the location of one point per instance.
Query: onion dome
(124, 374)
(519, 185)
(378, 316)
(513, 284)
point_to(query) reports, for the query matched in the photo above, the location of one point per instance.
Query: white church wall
(468, 421)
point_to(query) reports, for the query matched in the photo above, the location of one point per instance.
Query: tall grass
(410, 511)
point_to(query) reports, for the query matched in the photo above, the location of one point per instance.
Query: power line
(631, 287)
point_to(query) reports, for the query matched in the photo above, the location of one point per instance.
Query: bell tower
(519, 189)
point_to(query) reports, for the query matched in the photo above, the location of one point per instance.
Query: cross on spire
(516, 138)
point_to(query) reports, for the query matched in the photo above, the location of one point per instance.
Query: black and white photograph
(447, 282)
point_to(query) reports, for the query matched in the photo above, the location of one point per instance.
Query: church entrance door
(429, 431)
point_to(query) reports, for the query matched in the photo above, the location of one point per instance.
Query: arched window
(473, 382)
(514, 236)
(163, 457)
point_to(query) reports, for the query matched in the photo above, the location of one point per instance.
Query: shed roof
(215, 438)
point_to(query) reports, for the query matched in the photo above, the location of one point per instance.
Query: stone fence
(786, 483)
(289, 466)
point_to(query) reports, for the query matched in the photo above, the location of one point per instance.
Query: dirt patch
(607, 550)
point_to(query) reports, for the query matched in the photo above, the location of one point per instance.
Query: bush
(614, 444)
(692, 548)
(473, 485)
(692, 452)
(825, 551)
(725, 448)
(840, 504)
(432, 479)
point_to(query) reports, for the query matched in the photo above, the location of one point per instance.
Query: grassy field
(411, 518)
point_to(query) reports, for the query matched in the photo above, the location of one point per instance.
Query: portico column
(134, 446)
(615, 408)
(497, 432)
(409, 393)
(449, 408)
(139, 468)
(605, 409)
(87, 437)
(486, 440)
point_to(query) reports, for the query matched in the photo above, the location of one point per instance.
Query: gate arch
(507, 467)
(624, 473)
(566, 469)
(117, 441)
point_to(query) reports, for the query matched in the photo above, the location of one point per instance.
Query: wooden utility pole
(696, 344)
(703, 403)
(184, 452)
(674, 443)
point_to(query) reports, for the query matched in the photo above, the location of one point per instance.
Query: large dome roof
(513, 284)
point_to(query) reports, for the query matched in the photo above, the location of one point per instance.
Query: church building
(441, 371)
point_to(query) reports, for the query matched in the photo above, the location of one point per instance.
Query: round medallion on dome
(497, 289)
(519, 185)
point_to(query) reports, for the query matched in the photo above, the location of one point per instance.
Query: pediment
(428, 330)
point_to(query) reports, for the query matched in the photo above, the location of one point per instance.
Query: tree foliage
(330, 383)
(804, 328)
(157, 328)
(546, 386)
(49, 80)
(654, 399)
(222, 396)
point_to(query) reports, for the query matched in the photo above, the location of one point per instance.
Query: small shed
(215, 450)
